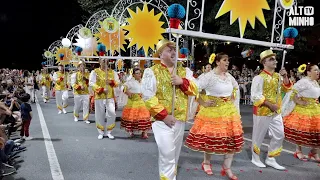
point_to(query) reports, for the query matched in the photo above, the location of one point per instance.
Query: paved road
(82, 156)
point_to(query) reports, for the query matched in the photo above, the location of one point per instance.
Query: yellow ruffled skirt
(217, 130)
(302, 125)
(135, 115)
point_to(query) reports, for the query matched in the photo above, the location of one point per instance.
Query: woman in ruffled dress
(301, 112)
(218, 128)
(135, 115)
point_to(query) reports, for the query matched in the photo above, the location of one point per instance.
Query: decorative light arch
(93, 22)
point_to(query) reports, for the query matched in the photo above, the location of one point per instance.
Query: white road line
(52, 157)
(250, 140)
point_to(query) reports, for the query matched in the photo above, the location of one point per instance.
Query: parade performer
(29, 84)
(80, 83)
(301, 112)
(122, 97)
(103, 85)
(61, 91)
(217, 128)
(45, 82)
(135, 115)
(195, 106)
(157, 90)
(266, 98)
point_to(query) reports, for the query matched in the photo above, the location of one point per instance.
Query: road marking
(52, 157)
(250, 140)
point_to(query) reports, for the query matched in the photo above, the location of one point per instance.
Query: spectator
(26, 116)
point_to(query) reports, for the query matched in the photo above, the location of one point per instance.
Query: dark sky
(28, 27)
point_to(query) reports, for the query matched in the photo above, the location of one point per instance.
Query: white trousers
(61, 103)
(30, 90)
(45, 93)
(84, 101)
(272, 124)
(105, 115)
(169, 141)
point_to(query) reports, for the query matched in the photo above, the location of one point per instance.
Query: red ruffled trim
(306, 139)
(185, 85)
(214, 145)
(161, 115)
(141, 125)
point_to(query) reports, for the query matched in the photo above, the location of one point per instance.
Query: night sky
(28, 27)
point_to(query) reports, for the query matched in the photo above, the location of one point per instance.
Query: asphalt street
(81, 156)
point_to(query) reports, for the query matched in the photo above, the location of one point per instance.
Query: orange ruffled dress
(135, 115)
(302, 123)
(218, 130)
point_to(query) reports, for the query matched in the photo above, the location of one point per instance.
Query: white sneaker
(17, 141)
(29, 138)
(100, 136)
(88, 122)
(59, 112)
(109, 135)
(64, 111)
(76, 119)
(273, 163)
(22, 138)
(256, 161)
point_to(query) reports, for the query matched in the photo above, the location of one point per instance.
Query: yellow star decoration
(111, 38)
(67, 55)
(144, 28)
(244, 10)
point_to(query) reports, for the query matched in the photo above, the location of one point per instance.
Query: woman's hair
(135, 70)
(309, 68)
(218, 58)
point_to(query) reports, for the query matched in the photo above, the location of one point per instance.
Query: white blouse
(214, 85)
(306, 88)
(133, 86)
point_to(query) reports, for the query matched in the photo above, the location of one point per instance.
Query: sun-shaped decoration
(302, 68)
(244, 10)
(88, 45)
(111, 38)
(63, 55)
(144, 28)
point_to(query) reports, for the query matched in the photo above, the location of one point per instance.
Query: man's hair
(25, 97)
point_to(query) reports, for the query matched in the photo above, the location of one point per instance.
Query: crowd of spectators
(12, 96)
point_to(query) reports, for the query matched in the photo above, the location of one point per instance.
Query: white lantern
(66, 42)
